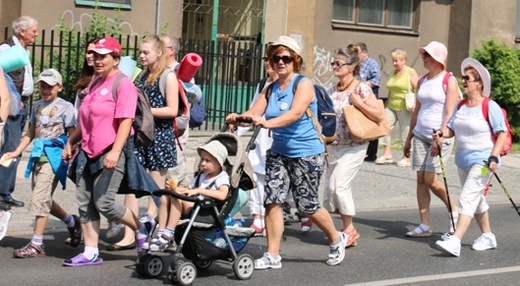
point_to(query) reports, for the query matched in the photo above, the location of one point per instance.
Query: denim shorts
(300, 176)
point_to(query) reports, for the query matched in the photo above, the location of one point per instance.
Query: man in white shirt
(25, 31)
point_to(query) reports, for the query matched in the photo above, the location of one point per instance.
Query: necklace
(343, 88)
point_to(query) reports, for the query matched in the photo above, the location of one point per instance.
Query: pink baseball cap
(437, 51)
(106, 46)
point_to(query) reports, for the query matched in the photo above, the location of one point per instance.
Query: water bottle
(220, 242)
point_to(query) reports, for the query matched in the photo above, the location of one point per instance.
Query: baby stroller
(196, 238)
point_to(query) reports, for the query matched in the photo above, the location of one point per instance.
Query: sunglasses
(265, 59)
(338, 64)
(285, 59)
(426, 55)
(467, 78)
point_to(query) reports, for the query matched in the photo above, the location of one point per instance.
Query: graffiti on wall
(70, 20)
(322, 71)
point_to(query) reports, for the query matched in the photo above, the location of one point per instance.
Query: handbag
(361, 127)
(409, 97)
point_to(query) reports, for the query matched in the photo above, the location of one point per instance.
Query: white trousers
(256, 196)
(472, 200)
(344, 163)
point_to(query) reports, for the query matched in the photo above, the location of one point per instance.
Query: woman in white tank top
(436, 98)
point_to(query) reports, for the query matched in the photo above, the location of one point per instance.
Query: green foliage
(68, 59)
(503, 63)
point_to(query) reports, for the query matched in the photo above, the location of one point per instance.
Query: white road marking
(426, 278)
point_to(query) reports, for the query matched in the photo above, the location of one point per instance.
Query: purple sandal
(81, 260)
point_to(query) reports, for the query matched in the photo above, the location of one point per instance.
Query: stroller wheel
(244, 266)
(186, 273)
(153, 266)
(203, 265)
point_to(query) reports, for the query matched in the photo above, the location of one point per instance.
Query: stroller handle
(243, 119)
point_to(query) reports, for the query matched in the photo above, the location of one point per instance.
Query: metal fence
(228, 76)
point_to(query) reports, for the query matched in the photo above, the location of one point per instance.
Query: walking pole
(507, 193)
(445, 184)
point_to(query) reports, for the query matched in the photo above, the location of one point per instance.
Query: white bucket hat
(215, 149)
(290, 43)
(437, 51)
(482, 71)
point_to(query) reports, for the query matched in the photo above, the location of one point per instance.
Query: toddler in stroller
(223, 169)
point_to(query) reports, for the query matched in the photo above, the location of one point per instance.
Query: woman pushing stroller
(296, 159)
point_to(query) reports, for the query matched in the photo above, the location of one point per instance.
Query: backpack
(445, 81)
(326, 122)
(508, 145)
(144, 126)
(189, 93)
(181, 122)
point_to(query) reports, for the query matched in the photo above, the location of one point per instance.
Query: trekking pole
(507, 193)
(445, 184)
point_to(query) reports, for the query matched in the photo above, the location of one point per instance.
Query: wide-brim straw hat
(482, 71)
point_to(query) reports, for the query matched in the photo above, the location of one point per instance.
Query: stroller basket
(199, 246)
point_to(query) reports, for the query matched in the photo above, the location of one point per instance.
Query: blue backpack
(326, 122)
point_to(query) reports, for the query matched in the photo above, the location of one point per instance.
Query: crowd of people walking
(290, 159)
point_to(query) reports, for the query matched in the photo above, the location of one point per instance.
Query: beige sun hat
(215, 149)
(437, 51)
(51, 76)
(290, 43)
(482, 71)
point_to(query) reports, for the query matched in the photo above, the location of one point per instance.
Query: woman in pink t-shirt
(104, 129)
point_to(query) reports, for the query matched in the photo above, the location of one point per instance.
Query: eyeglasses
(338, 64)
(426, 55)
(285, 59)
(467, 78)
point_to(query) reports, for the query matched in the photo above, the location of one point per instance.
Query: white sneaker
(4, 222)
(113, 229)
(450, 246)
(484, 243)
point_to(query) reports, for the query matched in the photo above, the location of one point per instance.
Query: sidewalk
(376, 187)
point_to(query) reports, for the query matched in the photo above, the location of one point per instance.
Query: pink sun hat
(437, 51)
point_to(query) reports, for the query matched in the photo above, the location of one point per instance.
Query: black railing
(228, 76)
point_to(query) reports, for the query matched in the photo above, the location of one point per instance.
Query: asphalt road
(386, 203)
(384, 256)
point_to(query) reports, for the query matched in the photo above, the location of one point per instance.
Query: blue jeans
(11, 137)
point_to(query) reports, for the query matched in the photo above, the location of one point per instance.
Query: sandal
(420, 231)
(81, 260)
(30, 250)
(352, 235)
(384, 161)
(404, 163)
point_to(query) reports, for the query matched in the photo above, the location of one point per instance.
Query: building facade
(319, 25)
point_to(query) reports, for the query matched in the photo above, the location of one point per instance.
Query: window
(116, 4)
(391, 14)
(517, 20)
